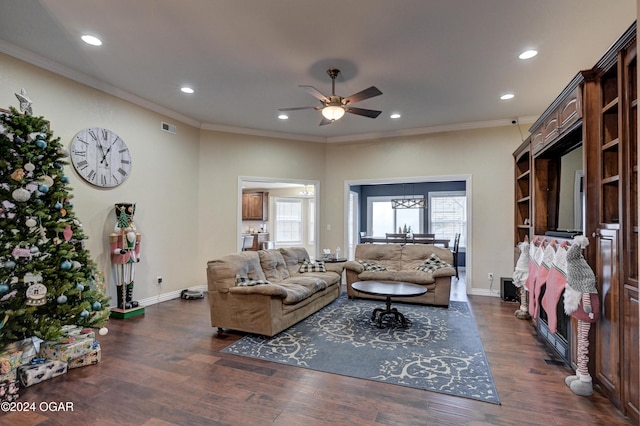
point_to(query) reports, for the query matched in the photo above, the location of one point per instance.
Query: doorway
(379, 187)
(293, 206)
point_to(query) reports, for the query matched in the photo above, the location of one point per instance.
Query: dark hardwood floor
(165, 368)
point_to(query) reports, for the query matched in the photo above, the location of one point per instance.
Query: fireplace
(558, 341)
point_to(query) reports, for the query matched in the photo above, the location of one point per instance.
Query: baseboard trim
(169, 295)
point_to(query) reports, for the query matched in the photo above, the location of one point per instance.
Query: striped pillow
(317, 266)
(432, 264)
(242, 281)
(372, 266)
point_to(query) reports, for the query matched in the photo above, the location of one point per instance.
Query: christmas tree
(47, 277)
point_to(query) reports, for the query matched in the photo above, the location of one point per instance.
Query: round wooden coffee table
(389, 289)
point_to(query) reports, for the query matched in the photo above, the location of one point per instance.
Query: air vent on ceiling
(170, 128)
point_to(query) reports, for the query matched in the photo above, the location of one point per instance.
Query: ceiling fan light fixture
(333, 112)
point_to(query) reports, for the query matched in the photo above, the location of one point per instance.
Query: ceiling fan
(333, 106)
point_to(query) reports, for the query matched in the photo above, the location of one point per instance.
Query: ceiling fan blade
(364, 112)
(325, 121)
(361, 96)
(298, 108)
(315, 93)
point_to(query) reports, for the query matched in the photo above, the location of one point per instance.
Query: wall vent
(170, 128)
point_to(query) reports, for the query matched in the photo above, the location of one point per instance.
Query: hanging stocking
(556, 282)
(536, 255)
(548, 253)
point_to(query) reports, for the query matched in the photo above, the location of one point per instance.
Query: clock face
(101, 157)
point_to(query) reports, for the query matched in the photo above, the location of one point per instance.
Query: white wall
(223, 158)
(163, 182)
(485, 154)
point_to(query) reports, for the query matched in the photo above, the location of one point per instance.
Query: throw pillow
(317, 266)
(372, 266)
(432, 264)
(242, 281)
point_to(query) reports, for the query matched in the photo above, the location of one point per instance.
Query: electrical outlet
(490, 276)
(159, 279)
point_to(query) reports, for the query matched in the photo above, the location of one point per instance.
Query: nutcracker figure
(125, 253)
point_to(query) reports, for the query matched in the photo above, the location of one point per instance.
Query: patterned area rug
(441, 351)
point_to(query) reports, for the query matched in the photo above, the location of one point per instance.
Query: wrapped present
(40, 370)
(78, 332)
(9, 390)
(92, 357)
(9, 363)
(66, 349)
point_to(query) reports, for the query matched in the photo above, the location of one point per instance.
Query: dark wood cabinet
(255, 205)
(598, 110)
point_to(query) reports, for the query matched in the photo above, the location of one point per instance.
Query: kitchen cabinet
(255, 206)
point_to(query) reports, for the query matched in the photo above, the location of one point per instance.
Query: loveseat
(422, 264)
(267, 291)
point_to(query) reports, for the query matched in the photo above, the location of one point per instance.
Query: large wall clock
(101, 157)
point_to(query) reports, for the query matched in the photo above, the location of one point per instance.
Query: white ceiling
(440, 63)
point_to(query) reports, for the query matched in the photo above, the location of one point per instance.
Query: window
(311, 228)
(448, 215)
(382, 218)
(288, 221)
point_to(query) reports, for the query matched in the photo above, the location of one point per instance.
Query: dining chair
(454, 251)
(424, 238)
(396, 238)
(247, 242)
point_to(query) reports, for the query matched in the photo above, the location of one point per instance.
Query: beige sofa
(401, 262)
(267, 309)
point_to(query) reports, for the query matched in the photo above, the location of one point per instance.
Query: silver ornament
(21, 195)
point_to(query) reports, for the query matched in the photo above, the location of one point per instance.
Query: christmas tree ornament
(96, 306)
(4, 288)
(75, 265)
(62, 299)
(8, 295)
(84, 313)
(25, 102)
(67, 233)
(29, 167)
(63, 212)
(43, 188)
(64, 179)
(9, 264)
(41, 144)
(103, 331)
(31, 222)
(65, 265)
(58, 165)
(18, 140)
(58, 205)
(21, 195)
(34, 250)
(63, 151)
(17, 175)
(79, 287)
(36, 295)
(47, 180)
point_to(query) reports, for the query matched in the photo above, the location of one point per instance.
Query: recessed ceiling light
(395, 115)
(186, 90)
(283, 117)
(92, 40)
(507, 96)
(528, 54)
